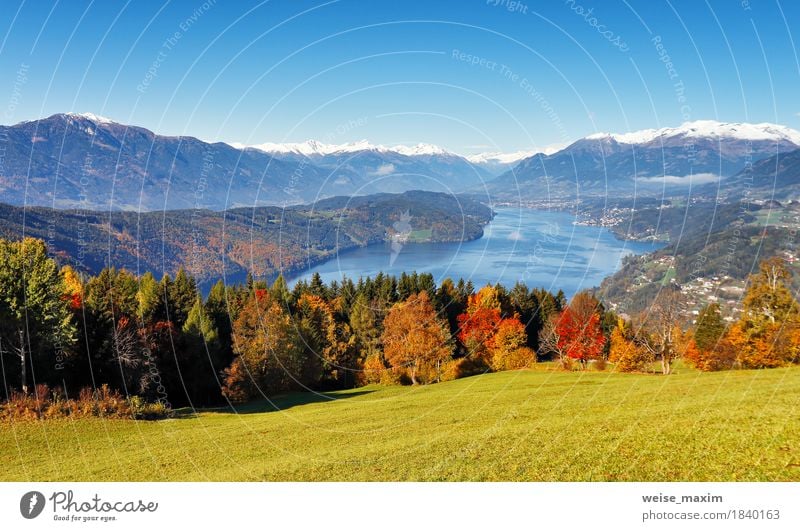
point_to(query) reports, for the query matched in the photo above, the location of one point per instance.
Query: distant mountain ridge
(649, 162)
(775, 177)
(90, 162)
(73, 160)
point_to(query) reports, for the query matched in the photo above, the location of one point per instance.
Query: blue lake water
(539, 248)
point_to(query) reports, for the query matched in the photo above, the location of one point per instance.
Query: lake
(539, 248)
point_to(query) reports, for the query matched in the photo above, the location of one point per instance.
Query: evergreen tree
(709, 327)
(280, 293)
(200, 360)
(366, 327)
(35, 321)
(148, 298)
(317, 286)
(181, 296)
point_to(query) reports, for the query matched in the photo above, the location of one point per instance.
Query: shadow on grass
(276, 403)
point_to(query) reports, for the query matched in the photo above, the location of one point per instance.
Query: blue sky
(467, 75)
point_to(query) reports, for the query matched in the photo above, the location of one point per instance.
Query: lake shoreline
(538, 247)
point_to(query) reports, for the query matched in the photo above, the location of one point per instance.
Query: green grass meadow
(537, 425)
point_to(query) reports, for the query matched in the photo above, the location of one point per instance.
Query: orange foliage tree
(269, 353)
(625, 353)
(414, 337)
(476, 328)
(508, 346)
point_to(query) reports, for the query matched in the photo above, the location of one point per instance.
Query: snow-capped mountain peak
(498, 157)
(314, 147)
(420, 150)
(707, 129)
(91, 117)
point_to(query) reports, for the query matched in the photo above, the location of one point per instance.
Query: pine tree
(148, 298)
(181, 296)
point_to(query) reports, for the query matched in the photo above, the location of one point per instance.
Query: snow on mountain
(419, 150)
(707, 129)
(314, 147)
(91, 117)
(499, 157)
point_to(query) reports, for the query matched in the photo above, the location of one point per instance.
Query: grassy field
(529, 425)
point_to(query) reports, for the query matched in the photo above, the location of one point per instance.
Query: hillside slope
(511, 426)
(263, 240)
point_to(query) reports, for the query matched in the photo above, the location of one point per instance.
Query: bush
(46, 403)
(463, 367)
(509, 360)
(395, 376)
(566, 363)
(373, 370)
(141, 410)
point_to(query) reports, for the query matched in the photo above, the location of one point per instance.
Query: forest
(115, 343)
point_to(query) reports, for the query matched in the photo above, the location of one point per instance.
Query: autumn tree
(771, 317)
(73, 287)
(480, 322)
(579, 335)
(625, 353)
(509, 348)
(328, 338)
(477, 327)
(414, 336)
(576, 332)
(769, 299)
(269, 353)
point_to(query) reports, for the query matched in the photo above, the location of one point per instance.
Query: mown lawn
(530, 425)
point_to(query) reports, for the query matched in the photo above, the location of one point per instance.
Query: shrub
(46, 403)
(463, 367)
(626, 355)
(517, 358)
(141, 410)
(373, 370)
(395, 376)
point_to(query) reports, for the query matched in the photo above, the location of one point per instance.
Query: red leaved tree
(579, 335)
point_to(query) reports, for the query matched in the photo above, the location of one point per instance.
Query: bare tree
(549, 338)
(657, 326)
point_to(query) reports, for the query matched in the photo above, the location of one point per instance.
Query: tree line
(160, 340)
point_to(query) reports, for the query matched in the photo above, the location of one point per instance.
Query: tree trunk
(24, 359)
(666, 366)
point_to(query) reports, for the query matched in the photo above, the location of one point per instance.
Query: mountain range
(84, 161)
(652, 162)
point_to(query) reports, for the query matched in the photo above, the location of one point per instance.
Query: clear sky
(469, 75)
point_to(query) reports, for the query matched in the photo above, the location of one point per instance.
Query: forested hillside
(263, 240)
